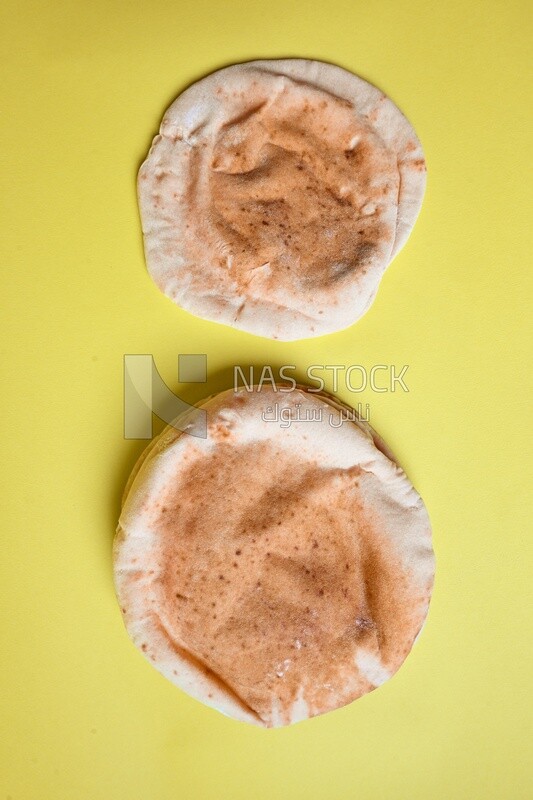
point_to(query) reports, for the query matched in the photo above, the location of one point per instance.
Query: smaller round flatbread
(276, 194)
(279, 568)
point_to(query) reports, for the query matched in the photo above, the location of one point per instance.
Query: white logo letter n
(146, 393)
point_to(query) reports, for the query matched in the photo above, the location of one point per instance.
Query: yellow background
(84, 87)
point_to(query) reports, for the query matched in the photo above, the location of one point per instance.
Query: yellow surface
(84, 86)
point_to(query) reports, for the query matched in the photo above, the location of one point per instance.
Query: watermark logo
(146, 394)
(285, 416)
(354, 378)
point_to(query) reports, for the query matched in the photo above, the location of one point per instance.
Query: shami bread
(279, 568)
(276, 194)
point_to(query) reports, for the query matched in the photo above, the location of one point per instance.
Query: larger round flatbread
(279, 568)
(276, 194)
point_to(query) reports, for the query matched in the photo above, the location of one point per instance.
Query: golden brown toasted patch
(280, 577)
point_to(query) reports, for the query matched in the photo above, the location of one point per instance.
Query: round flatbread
(276, 194)
(279, 568)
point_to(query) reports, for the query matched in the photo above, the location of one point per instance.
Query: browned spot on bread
(308, 593)
(286, 183)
